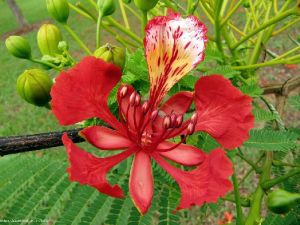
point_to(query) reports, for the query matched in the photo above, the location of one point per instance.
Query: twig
(282, 88)
(16, 144)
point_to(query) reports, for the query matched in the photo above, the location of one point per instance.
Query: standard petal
(173, 47)
(105, 138)
(178, 104)
(141, 182)
(206, 183)
(223, 111)
(186, 155)
(88, 169)
(81, 92)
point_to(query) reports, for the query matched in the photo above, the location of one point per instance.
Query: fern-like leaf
(271, 140)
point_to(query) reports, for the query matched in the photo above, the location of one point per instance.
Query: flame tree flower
(173, 47)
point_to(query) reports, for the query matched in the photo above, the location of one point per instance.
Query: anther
(154, 115)
(194, 118)
(167, 122)
(145, 107)
(132, 99)
(179, 120)
(173, 120)
(137, 99)
(123, 91)
(190, 129)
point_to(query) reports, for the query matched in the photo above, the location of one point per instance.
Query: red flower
(173, 47)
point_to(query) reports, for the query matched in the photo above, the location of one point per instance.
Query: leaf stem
(218, 28)
(124, 14)
(272, 21)
(144, 21)
(114, 23)
(98, 32)
(239, 212)
(254, 213)
(256, 169)
(45, 64)
(267, 184)
(76, 38)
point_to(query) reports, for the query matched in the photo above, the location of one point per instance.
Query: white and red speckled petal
(173, 47)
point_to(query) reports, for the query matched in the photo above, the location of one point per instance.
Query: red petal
(141, 182)
(88, 169)
(206, 183)
(133, 112)
(105, 138)
(81, 92)
(223, 111)
(186, 155)
(178, 103)
(173, 47)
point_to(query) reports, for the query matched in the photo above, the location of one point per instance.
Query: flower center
(148, 127)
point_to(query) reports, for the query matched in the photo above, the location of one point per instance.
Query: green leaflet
(263, 115)
(271, 140)
(292, 218)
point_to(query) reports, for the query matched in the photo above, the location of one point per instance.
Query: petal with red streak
(105, 138)
(223, 111)
(173, 46)
(141, 182)
(88, 169)
(81, 92)
(186, 155)
(206, 183)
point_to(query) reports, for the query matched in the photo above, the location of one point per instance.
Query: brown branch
(11, 145)
(282, 89)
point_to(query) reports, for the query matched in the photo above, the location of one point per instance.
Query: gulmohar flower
(173, 47)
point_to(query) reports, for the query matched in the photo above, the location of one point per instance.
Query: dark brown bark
(15, 144)
(17, 13)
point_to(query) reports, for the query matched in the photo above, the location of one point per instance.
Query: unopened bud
(167, 122)
(190, 129)
(145, 107)
(123, 91)
(18, 47)
(145, 5)
(106, 7)
(179, 120)
(132, 98)
(194, 118)
(113, 54)
(48, 38)
(59, 10)
(34, 87)
(154, 115)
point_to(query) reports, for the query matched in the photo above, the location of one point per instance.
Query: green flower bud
(48, 38)
(34, 87)
(63, 46)
(18, 47)
(106, 7)
(246, 4)
(59, 10)
(111, 53)
(281, 201)
(145, 5)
